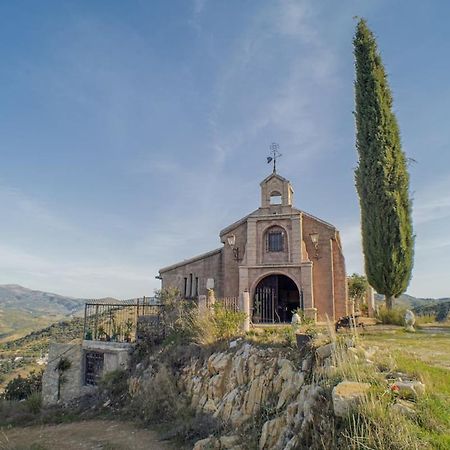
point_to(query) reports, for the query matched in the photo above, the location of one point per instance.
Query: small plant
(34, 402)
(128, 328)
(63, 365)
(21, 388)
(394, 316)
(88, 335)
(114, 385)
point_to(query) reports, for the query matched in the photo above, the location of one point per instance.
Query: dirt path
(92, 434)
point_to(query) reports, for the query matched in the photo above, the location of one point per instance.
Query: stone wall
(209, 265)
(72, 385)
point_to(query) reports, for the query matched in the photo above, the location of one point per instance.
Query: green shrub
(394, 316)
(21, 388)
(114, 386)
(158, 400)
(34, 402)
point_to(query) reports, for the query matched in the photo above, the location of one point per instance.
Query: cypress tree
(382, 179)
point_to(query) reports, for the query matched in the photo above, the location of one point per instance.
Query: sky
(132, 132)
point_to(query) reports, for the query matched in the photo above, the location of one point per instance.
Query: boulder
(325, 351)
(405, 408)
(271, 431)
(228, 442)
(408, 389)
(210, 443)
(346, 395)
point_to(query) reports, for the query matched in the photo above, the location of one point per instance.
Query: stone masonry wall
(210, 266)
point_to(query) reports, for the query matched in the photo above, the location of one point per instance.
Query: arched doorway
(276, 296)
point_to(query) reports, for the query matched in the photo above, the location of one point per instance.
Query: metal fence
(120, 320)
(229, 303)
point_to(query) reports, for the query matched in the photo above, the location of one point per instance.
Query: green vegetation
(18, 357)
(186, 322)
(22, 388)
(377, 425)
(357, 288)
(382, 179)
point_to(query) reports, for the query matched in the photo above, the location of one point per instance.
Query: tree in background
(382, 179)
(357, 288)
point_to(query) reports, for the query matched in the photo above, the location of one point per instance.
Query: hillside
(23, 310)
(408, 301)
(22, 355)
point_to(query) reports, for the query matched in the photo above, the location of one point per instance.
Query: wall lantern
(231, 239)
(315, 241)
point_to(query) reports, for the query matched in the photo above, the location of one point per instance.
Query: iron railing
(229, 303)
(118, 320)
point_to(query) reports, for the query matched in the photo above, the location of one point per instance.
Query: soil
(92, 434)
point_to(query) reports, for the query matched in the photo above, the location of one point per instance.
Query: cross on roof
(275, 155)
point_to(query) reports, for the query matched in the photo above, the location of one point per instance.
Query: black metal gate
(93, 367)
(264, 306)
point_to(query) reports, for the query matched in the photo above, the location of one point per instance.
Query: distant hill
(438, 307)
(23, 310)
(408, 301)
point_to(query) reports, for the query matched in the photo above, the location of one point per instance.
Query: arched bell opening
(276, 297)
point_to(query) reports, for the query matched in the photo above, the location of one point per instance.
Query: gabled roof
(273, 175)
(236, 224)
(190, 260)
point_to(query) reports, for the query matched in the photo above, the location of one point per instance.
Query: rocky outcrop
(249, 383)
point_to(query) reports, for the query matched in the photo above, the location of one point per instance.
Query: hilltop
(23, 310)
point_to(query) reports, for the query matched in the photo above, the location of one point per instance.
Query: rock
(286, 369)
(292, 444)
(287, 393)
(346, 395)
(408, 389)
(306, 364)
(271, 431)
(210, 443)
(410, 320)
(325, 351)
(210, 407)
(253, 399)
(404, 407)
(228, 442)
(218, 363)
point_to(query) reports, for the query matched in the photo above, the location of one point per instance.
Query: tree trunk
(389, 301)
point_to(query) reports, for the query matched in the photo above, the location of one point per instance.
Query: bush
(21, 388)
(114, 386)
(34, 402)
(213, 324)
(158, 399)
(394, 316)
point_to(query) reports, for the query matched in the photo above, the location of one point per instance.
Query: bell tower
(276, 191)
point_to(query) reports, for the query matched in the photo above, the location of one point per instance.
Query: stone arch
(274, 296)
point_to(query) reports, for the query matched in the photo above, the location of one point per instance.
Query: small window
(191, 286)
(196, 286)
(275, 241)
(93, 368)
(275, 198)
(185, 288)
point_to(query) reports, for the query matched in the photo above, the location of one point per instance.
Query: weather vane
(275, 155)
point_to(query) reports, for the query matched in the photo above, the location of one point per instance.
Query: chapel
(285, 258)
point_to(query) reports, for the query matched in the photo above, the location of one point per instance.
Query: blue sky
(132, 132)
